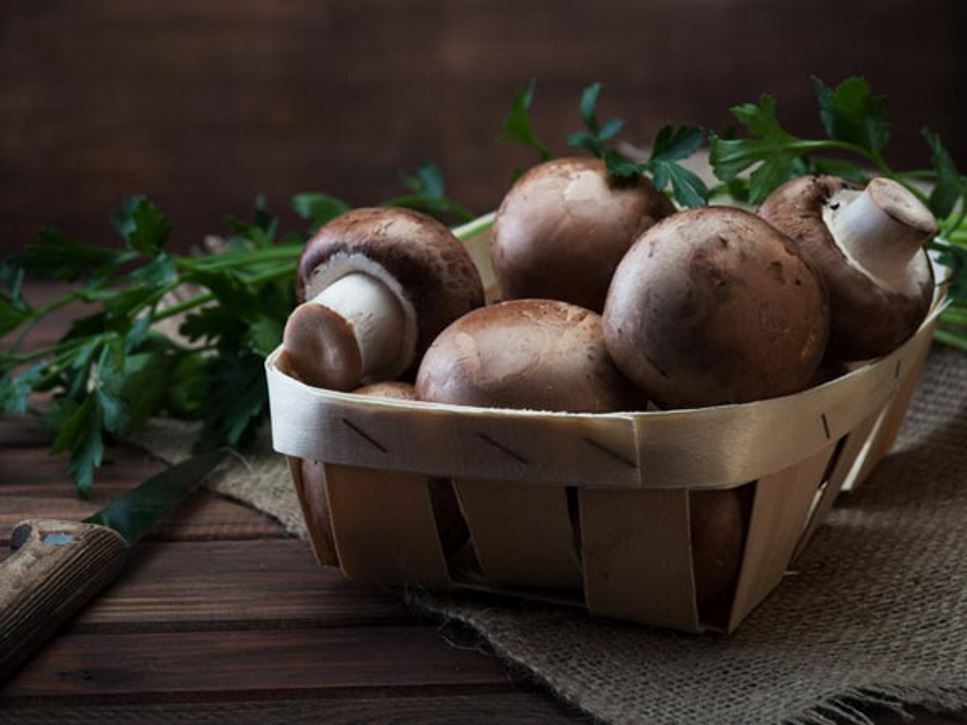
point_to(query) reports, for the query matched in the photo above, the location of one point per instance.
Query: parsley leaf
(259, 233)
(188, 384)
(428, 194)
(949, 186)
(236, 402)
(318, 208)
(15, 389)
(517, 126)
(79, 427)
(769, 145)
(853, 114)
(593, 137)
(142, 226)
(58, 256)
(672, 145)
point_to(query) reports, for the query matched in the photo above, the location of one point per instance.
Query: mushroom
(376, 285)
(564, 226)
(868, 245)
(525, 354)
(714, 306)
(718, 522)
(389, 389)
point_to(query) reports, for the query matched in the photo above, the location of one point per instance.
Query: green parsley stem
(240, 258)
(37, 314)
(478, 226)
(950, 338)
(182, 306)
(808, 146)
(955, 315)
(64, 346)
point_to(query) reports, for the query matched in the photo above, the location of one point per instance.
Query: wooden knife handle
(56, 568)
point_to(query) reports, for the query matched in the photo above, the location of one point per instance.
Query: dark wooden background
(203, 103)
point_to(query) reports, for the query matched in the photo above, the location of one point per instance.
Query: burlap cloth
(876, 613)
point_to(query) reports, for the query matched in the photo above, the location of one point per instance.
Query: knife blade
(58, 566)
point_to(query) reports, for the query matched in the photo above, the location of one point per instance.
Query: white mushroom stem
(880, 228)
(376, 317)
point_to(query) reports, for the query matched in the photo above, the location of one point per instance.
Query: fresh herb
(127, 361)
(428, 194)
(518, 127)
(318, 208)
(594, 136)
(671, 145)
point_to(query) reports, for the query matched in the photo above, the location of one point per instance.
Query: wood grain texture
(201, 517)
(260, 661)
(267, 584)
(57, 568)
(483, 707)
(203, 103)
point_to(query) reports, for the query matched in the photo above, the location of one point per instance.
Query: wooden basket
(591, 510)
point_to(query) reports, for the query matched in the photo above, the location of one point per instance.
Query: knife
(58, 566)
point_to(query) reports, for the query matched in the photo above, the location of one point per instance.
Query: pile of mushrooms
(614, 300)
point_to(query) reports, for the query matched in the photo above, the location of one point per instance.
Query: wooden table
(221, 617)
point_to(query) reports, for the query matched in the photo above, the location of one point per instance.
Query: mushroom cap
(525, 354)
(714, 306)
(391, 389)
(718, 539)
(563, 227)
(868, 320)
(417, 256)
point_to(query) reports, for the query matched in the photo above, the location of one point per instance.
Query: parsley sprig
(671, 145)
(857, 131)
(123, 363)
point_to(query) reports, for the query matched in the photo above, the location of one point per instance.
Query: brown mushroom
(390, 389)
(525, 354)
(714, 306)
(564, 226)
(718, 522)
(868, 245)
(377, 286)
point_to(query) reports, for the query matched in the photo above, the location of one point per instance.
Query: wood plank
(267, 584)
(32, 483)
(249, 662)
(413, 707)
(22, 433)
(202, 517)
(483, 707)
